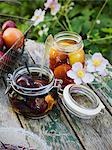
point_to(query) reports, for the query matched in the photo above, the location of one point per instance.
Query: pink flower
(79, 74)
(53, 5)
(97, 64)
(38, 16)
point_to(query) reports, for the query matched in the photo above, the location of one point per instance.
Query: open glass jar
(33, 95)
(81, 101)
(67, 48)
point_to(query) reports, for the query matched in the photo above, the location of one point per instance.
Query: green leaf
(77, 24)
(106, 30)
(74, 11)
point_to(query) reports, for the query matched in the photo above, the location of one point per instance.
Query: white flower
(98, 21)
(53, 5)
(44, 31)
(72, 4)
(97, 64)
(70, 8)
(79, 74)
(40, 32)
(38, 16)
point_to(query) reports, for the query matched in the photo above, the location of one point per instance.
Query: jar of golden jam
(67, 49)
(33, 95)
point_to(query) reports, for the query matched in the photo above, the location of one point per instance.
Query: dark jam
(32, 106)
(61, 62)
(32, 81)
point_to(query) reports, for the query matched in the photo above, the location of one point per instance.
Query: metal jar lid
(81, 101)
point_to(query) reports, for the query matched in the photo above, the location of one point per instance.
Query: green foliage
(91, 19)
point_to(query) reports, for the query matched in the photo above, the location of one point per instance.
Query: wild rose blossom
(38, 16)
(97, 64)
(53, 5)
(79, 74)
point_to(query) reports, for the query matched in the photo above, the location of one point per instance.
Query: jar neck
(68, 42)
(32, 91)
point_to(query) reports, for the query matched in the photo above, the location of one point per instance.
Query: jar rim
(77, 109)
(15, 73)
(68, 35)
(86, 92)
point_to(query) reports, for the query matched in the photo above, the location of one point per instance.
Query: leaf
(106, 30)
(77, 24)
(86, 12)
(75, 11)
(86, 26)
(86, 43)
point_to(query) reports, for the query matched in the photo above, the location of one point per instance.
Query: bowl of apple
(13, 32)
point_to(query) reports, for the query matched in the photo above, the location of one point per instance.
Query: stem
(60, 24)
(65, 25)
(101, 39)
(97, 17)
(62, 14)
(50, 20)
(68, 22)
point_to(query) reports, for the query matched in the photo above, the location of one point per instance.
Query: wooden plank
(55, 129)
(104, 91)
(7, 117)
(95, 134)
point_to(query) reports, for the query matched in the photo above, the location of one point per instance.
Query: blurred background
(92, 19)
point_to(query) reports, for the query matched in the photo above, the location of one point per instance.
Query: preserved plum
(66, 50)
(35, 95)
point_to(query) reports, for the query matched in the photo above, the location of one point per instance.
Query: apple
(11, 36)
(1, 42)
(8, 24)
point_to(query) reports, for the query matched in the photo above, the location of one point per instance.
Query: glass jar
(67, 49)
(81, 101)
(33, 99)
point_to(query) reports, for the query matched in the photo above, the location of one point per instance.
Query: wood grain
(95, 134)
(106, 97)
(7, 117)
(55, 129)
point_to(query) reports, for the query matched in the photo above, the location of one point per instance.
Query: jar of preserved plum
(33, 95)
(66, 49)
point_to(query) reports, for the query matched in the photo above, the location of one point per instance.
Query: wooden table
(60, 129)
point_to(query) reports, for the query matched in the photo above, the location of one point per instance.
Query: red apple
(11, 36)
(1, 42)
(8, 24)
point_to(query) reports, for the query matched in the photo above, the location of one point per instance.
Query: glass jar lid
(81, 101)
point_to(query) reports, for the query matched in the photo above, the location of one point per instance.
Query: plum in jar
(66, 50)
(31, 95)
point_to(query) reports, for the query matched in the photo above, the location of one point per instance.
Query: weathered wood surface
(95, 134)
(55, 129)
(63, 131)
(7, 117)
(104, 91)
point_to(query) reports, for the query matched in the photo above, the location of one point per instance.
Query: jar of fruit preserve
(31, 94)
(67, 49)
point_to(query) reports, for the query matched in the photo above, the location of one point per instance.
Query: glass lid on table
(81, 101)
